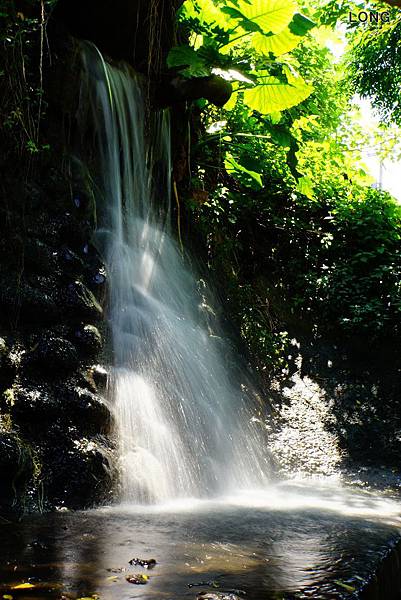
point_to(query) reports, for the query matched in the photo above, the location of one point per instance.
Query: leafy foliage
(302, 241)
(242, 41)
(375, 67)
(22, 106)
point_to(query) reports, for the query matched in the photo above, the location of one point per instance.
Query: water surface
(297, 540)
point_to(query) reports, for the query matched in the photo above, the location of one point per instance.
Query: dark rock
(33, 406)
(145, 563)
(83, 197)
(86, 410)
(70, 261)
(60, 229)
(80, 301)
(3, 352)
(57, 189)
(40, 257)
(7, 365)
(100, 377)
(78, 471)
(89, 339)
(16, 470)
(54, 354)
(20, 298)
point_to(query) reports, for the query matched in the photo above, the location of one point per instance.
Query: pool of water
(296, 540)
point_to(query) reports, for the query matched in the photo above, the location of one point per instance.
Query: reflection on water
(293, 542)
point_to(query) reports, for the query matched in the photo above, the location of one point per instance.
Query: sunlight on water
(287, 496)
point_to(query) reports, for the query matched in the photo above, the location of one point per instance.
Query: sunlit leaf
(270, 15)
(305, 187)
(286, 40)
(230, 104)
(274, 95)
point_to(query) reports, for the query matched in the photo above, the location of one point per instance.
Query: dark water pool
(294, 541)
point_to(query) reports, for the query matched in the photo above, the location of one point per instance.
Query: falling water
(185, 429)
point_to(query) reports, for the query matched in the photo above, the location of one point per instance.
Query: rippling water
(293, 541)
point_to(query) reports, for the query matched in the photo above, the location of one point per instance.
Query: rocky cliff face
(56, 429)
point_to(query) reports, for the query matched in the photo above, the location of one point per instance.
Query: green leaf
(286, 40)
(274, 95)
(244, 22)
(305, 187)
(270, 15)
(232, 167)
(300, 25)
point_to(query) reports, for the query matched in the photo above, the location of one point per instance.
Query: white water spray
(185, 429)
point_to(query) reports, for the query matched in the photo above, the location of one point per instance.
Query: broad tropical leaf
(272, 16)
(274, 95)
(286, 40)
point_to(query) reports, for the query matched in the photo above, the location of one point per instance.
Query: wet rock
(89, 339)
(33, 406)
(137, 579)
(83, 197)
(100, 377)
(16, 470)
(57, 190)
(40, 257)
(21, 298)
(70, 261)
(78, 471)
(141, 562)
(81, 302)
(60, 229)
(86, 410)
(54, 354)
(3, 354)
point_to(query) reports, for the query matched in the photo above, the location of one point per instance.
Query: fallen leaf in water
(7, 597)
(23, 586)
(112, 578)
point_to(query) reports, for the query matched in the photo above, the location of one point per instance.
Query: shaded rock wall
(57, 445)
(54, 416)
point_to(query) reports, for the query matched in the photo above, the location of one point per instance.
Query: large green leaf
(272, 16)
(273, 95)
(233, 167)
(286, 40)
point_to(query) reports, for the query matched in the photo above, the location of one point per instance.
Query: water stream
(185, 429)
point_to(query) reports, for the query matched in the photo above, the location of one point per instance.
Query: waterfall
(185, 428)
